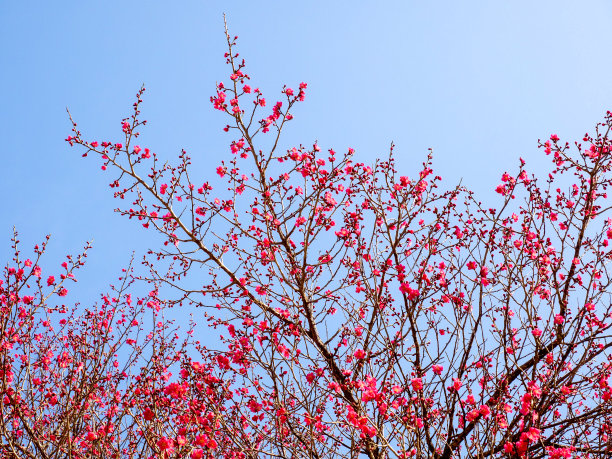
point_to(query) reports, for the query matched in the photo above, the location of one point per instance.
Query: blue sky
(479, 82)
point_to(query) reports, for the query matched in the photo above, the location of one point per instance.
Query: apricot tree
(362, 311)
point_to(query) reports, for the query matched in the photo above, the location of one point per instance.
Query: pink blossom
(406, 289)
(533, 434)
(164, 443)
(501, 189)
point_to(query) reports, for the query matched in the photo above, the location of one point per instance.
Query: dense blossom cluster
(360, 312)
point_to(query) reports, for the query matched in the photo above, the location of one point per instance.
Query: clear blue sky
(479, 82)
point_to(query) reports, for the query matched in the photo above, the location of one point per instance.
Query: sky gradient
(479, 82)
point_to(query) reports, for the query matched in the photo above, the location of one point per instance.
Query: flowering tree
(362, 312)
